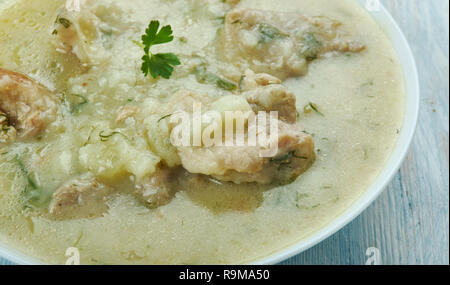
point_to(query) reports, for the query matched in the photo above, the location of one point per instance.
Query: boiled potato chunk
(231, 103)
(117, 157)
(158, 136)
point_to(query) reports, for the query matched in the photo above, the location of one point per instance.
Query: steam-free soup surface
(102, 127)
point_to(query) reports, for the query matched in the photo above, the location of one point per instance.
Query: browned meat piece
(26, 106)
(245, 164)
(159, 189)
(79, 198)
(240, 164)
(281, 44)
(265, 93)
(295, 155)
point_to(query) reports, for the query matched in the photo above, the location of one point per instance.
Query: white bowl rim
(411, 78)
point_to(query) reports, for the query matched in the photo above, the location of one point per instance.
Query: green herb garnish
(5, 123)
(312, 47)
(286, 159)
(268, 33)
(83, 99)
(204, 76)
(74, 105)
(312, 107)
(160, 64)
(105, 138)
(63, 21)
(6, 118)
(32, 194)
(30, 181)
(164, 117)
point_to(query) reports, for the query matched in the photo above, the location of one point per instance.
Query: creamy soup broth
(359, 96)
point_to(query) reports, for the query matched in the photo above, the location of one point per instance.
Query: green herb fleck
(298, 198)
(268, 33)
(6, 118)
(5, 122)
(32, 194)
(203, 75)
(105, 138)
(287, 158)
(78, 103)
(241, 81)
(311, 47)
(164, 117)
(30, 181)
(312, 107)
(63, 21)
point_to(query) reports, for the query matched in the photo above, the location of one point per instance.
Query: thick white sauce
(361, 96)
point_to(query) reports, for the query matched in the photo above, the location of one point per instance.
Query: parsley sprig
(160, 64)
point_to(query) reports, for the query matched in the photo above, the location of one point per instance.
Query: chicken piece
(242, 164)
(79, 198)
(281, 44)
(265, 93)
(159, 189)
(295, 155)
(26, 107)
(88, 33)
(126, 112)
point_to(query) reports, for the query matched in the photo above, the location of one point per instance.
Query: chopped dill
(105, 138)
(63, 21)
(312, 107)
(164, 117)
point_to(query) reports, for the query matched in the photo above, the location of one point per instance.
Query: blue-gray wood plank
(409, 222)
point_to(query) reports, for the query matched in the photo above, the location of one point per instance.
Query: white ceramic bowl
(405, 55)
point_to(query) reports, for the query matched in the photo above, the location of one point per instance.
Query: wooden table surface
(409, 223)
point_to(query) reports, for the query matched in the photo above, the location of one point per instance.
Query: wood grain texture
(409, 223)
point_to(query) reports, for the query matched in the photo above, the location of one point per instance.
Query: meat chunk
(265, 93)
(88, 33)
(295, 155)
(26, 107)
(218, 160)
(244, 164)
(159, 189)
(238, 163)
(79, 198)
(281, 44)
